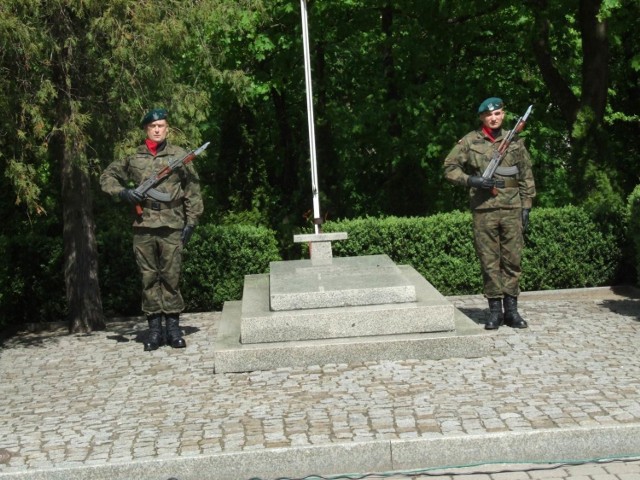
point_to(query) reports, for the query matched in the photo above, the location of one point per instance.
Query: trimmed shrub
(439, 247)
(32, 288)
(214, 265)
(117, 269)
(633, 212)
(564, 248)
(218, 258)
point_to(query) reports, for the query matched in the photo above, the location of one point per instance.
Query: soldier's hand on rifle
(481, 182)
(187, 231)
(131, 196)
(525, 219)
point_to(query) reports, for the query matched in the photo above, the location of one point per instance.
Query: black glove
(481, 182)
(187, 231)
(525, 219)
(131, 196)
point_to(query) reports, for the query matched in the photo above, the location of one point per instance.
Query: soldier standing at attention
(500, 207)
(164, 227)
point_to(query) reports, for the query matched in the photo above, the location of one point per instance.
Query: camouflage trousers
(158, 254)
(498, 240)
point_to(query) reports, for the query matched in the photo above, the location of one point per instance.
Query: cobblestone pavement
(77, 401)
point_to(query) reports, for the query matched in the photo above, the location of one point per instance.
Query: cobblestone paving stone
(74, 400)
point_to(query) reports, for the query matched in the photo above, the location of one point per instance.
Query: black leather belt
(506, 183)
(155, 205)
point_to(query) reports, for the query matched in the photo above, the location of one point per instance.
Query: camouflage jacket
(471, 156)
(183, 185)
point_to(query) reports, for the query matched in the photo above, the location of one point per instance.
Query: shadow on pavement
(626, 308)
(478, 315)
(127, 333)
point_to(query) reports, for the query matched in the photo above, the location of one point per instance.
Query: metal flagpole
(312, 135)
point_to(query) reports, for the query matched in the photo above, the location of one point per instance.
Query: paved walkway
(566, 390)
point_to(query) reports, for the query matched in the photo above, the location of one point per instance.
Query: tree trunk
(394, 128)
(584, 115)
(588, 136)
(558, 87)
(595, 58)
(80, 249)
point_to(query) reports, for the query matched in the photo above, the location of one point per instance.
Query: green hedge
(117, 269)
(439, 247)
(32, 285)
(633, 230)
(218, 258)
(215, 262)
(564, 248)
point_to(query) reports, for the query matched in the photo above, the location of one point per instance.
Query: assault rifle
(499, 154)
(147, 188)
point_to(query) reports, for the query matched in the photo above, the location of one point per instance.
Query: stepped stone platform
(341, 310)
(338, 282)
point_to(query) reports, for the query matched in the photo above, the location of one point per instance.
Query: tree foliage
(82, 75)
(396, 83)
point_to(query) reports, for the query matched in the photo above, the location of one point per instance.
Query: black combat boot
(154, 338)
(511, 315)
(174, 334)
(495, 314)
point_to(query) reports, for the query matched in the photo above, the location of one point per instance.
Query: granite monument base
(341, 310)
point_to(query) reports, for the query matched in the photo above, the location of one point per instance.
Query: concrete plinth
(423, 324)
(338, 282)
(429, 312)
(468, 340)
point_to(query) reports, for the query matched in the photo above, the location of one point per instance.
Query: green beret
(153, 116)
(490, 104)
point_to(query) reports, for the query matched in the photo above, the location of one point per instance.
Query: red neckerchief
(488, 133)
(152, 145)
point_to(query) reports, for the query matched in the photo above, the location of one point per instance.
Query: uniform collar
(492, 135)
(155, 147)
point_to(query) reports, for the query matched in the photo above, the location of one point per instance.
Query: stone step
(431, 312)
(338, 282)
(467, 340)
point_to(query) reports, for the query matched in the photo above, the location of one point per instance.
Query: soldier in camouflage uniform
(163, 229)
(499, 220)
